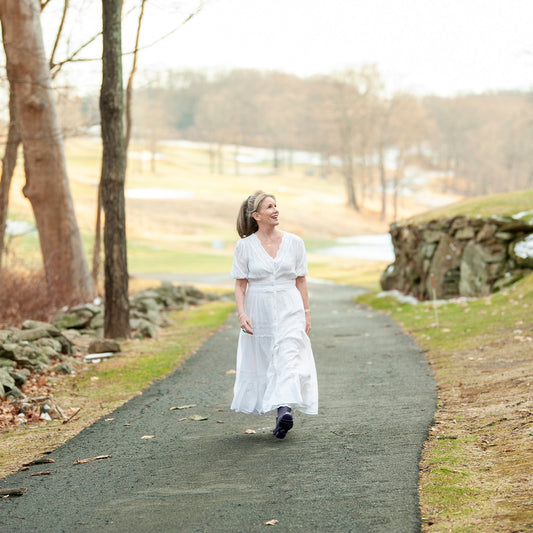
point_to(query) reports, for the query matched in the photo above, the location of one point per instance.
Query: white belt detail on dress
(271, 286)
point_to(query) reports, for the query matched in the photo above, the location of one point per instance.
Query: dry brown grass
(477, 464)
(25, 295)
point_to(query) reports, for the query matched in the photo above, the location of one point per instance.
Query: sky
(444, 47)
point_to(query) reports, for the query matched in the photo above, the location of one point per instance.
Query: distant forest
(482, 142)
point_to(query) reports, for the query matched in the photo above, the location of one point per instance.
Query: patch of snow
(19, 227)
(524, 248)
(372, 247)
(397, 295)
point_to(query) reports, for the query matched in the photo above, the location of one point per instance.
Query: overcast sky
(426, 46)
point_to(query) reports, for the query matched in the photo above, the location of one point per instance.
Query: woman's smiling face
(268, 213)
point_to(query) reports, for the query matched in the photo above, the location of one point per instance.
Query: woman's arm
(240, 292)
(301, 285)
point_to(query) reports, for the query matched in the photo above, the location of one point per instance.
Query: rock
(504, 235)
(36, 324)
(474, 272)
(467, 256)
(7, 363)
(486, 232)
(10, 351)
(15, 394)
(5, 336)
(33, 334)
(104, 345)
(64, 368)
(89, 307)
(35, 365)
(7, 382)
(97, 322)
(77, 320)
(20, 376)
(432, 236)
(54, 344)
(445, 269)
(389, 278)
(145, 329)
(465, 233)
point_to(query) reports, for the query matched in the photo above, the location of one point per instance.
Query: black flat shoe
(284, 423)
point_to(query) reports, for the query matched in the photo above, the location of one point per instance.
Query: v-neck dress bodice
(275, 365)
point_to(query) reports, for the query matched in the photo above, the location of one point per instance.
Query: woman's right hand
(246, 325)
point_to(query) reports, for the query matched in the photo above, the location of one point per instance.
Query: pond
(373, 247)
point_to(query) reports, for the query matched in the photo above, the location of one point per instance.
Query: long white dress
(275, 365)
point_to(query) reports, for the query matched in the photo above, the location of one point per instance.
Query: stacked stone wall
(460, 256)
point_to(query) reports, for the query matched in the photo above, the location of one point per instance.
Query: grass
(480, 353)
(99, 389)
(476, 471)
(484, 206)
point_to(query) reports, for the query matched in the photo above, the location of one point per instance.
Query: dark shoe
(284, 422)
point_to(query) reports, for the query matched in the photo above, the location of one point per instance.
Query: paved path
(352, 468)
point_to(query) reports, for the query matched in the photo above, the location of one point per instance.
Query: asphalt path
(354, 467)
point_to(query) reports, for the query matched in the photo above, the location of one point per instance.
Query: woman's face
(267, 214)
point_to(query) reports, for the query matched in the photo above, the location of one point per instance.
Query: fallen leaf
(97, 458)
(41, 474)
(182, 419)
(232, 371)
(40, 461)
(250, 431)
(148, 437)
(271, 523)
(197, 418)
(182, 407)
(108, 419)
(220, 421)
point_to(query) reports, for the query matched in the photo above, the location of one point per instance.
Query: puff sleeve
(239, 269)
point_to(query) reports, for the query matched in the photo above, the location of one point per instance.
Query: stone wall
(40, 347)
(463, 256)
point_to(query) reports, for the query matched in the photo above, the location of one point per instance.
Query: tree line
(481, 142)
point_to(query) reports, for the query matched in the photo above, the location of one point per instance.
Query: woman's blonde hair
(246, 223)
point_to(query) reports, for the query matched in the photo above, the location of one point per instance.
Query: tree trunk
(47, 186)
(8, 167)
(349, 182)
(97, 237)
(383, 183)
(116, 321)
(220, 157)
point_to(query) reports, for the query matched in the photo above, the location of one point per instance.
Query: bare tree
(8, 167)
(47, 186)
(116, 321)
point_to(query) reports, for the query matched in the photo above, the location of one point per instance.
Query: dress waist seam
(272, 285)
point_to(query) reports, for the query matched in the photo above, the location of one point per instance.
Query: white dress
(275, 365)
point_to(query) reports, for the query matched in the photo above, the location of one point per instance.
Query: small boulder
(64, 368)
(103, 346)
(77, 320)
(20, 376)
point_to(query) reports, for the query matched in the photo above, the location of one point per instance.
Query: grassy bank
(477, 466)
(96, 389)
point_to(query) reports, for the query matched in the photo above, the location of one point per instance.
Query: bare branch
(44, 3)
(54, 69)
(129, 88)
(162, 38)
(58, 36)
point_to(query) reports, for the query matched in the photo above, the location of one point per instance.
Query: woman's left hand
(307, 323)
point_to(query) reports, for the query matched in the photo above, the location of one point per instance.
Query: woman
(275, 365)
